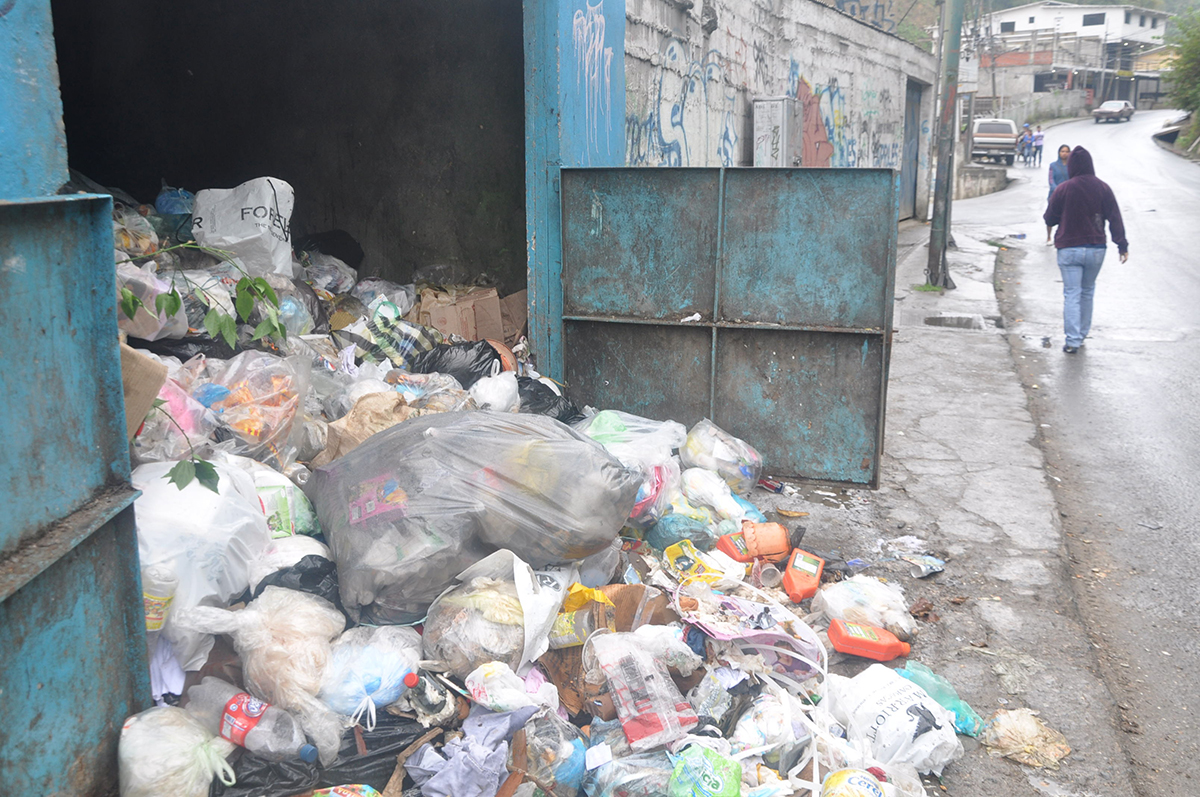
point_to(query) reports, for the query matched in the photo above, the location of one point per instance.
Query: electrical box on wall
(776, 132)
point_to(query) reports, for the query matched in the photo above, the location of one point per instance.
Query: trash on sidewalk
(966, 721)
(1021, 735)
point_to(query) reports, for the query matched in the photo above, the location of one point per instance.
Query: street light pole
(936, 272)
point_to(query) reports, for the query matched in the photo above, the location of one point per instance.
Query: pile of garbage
(378, 557)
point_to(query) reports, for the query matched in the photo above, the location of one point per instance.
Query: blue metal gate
(911, 156)
(760, 298)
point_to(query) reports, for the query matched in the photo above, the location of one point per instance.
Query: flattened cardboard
(141, 377)
(514, 313)
(474, 315)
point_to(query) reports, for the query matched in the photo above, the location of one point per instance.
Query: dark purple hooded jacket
(1080, 206)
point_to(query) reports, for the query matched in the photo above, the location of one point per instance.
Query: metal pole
(935, 272)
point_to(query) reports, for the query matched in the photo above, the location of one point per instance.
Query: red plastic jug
(866, 641)
(802, 575)
(769, 541)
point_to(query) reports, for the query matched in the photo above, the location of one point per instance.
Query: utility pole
(936, 272)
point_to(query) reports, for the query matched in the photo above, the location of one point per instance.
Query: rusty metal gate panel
(760, 298)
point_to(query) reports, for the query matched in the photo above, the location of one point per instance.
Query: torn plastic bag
(710, 447)
(177, 528)
(282, 553)
(259, 778)
(466, 362)
(369, 668)
(501, 611)
(327, 273)
(555, 752)
(895, 718)
(164, 750)
(539, 398)
(253, 221)
(284, 640)
(415, 504)
(867, 600)
(370, 288)
(639, 775)
(257, 400)
(147, 322)
(435, 392)
(1021, 735)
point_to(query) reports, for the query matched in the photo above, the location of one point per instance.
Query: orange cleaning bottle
(802, 575)
(866, 641)
(769, 541)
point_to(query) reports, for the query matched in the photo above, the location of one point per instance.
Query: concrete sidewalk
(964, 479)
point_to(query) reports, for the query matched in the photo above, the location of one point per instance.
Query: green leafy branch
(192, 468)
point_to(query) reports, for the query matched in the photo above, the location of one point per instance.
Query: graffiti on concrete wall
(594, 62)
(879, 13)
(691, 119)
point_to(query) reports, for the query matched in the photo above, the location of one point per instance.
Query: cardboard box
(141, 377)
(474, 315)
(514, 312)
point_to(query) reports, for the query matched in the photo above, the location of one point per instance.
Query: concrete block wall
(691, 75)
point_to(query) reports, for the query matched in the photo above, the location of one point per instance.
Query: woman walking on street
(1058, 176)
(1079, 207)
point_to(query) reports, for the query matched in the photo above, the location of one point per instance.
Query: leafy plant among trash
(382, 554)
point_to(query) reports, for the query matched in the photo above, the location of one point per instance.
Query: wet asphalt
(1120, 426)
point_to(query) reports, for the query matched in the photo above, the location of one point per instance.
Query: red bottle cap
(410, 679)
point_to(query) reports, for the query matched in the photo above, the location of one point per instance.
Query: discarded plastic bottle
(268, 732)
(768, 541)
(851, 783)
(802, 576)
(159, 583)
(867, 641)
(426, 694)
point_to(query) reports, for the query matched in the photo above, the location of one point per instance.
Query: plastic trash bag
(164, 750)
(651, 709)
(434, 392)
(701, 772)
(661, 485)
(174, 201)
(639, 775)
(634, 440)
(300, 310)
(132, 232)
(495, 686)
(369, 668)
(674, 527)
(555, 752)
(384, 336)
(896, 718)
(173, 430)
(966, 721)
(257, 400)
(502, 611)
(284, 640)
(867, 600)
(327, 273)
(1020, 735)
(287, 508)
(707, 488)
(540, 398)
(282, 553)
(497, 393)
(313, 574)
(710, 447)
(415, 504)
(147, 322)
(253, 221)
(371, 288)
(466, 362)
(206, 539)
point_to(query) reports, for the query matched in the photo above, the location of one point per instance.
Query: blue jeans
(1080, 265)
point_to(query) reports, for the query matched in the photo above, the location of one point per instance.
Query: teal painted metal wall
(72, 636)
(574, 116)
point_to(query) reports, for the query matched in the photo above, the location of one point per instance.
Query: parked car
(994, 139)
(1113, 110)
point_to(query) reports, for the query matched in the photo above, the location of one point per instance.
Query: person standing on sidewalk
(1039, 140)
(1079, 207)
(1058, 176)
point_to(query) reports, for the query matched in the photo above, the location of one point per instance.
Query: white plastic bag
(164, 750)
(147, 322)
(253, 221)
(370, 667)
(284, 640)
(495, 686)
(497, 393)
(711, 447)
(867, 600)
(896, 720)
(205, 539)
(707, 488)
(285, 505)
(636, 441)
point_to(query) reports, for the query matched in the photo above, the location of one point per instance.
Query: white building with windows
(1112, 23)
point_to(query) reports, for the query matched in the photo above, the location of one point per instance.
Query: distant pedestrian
(1039, 140)
(1058, 176)
(1079, 207)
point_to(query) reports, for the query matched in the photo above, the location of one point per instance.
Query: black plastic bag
(466, 362)
(313, 574)
(537, 398)
(259, 778)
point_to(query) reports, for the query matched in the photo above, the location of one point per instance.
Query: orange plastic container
(866, 641)
(768, 541)
(802, 575)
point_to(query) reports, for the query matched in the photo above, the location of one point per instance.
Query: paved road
(1120, 425)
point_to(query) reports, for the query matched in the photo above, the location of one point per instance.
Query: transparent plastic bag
(284, 640)
(495, 686)
(640, 775)
(327, 273)
(416, 503)
(434, 392)
(369, 668)
(166, 751)
(867, 600)
(555, 753)
(701, 772)
(147, 322)
(1021, 735)
(173, 430)
(661, 485)
(895, 718)
(707, 488)
(710, 447)
(636, 441)
(370, 288)
(133, 233)
(206, 539)
(966, 720)
(257, 400)
(651, 709)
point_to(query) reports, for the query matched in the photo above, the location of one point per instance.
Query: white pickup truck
(994, 139)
